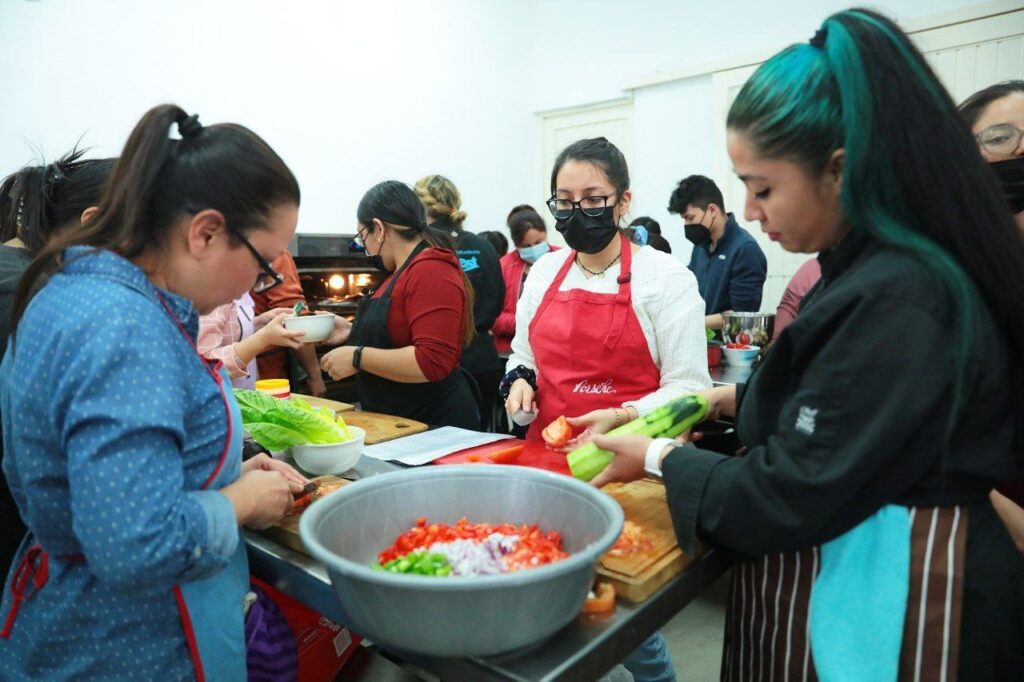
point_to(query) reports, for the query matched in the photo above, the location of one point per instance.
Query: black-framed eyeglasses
(592, 206)
(268, 277)
(359, 240)
(1001, 139)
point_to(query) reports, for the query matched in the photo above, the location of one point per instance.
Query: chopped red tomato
(737, 346)
(534, 547)
(506, 456)
(557, 433)
(603, 599)
(631, 541)
(472, 458)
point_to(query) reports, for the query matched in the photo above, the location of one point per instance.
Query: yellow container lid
(271, 384)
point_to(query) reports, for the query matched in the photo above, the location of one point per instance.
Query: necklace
(600, 273)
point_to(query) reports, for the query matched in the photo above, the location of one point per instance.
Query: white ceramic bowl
(317, 327)
(741, 357)
(330, 459)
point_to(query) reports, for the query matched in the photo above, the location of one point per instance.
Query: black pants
(488, 400)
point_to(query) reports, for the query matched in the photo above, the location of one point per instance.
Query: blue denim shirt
(111, 425)
(732, 277)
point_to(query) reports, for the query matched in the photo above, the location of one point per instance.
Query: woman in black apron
(882, 416)
(416, 375)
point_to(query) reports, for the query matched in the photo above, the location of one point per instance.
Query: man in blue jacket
(729, 265)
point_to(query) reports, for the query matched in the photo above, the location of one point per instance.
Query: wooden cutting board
(638, 575)
(382, 427)
(287, 531)
(324, 402)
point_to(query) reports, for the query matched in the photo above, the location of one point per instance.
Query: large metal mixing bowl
(459, 616)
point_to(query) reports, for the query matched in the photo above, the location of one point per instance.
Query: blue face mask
(530, 254)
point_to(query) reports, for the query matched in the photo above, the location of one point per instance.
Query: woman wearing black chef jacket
(408, 335)
(893, 403)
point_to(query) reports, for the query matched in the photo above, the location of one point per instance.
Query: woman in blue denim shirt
(122, 444)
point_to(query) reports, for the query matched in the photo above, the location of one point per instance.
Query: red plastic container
(714, 354)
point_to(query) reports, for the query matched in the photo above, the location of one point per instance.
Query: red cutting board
(536, 455)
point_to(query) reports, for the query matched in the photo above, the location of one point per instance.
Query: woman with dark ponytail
(36, 203)
(443, 203)
(123, 448)
(408, 336)
(893, 403)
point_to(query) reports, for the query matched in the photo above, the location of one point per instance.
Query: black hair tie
(54, 176)
(818, 40)
(190, 127)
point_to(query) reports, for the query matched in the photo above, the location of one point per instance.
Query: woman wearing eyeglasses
(123, 449)
(996, 117)
(606, 331)
(407, 339)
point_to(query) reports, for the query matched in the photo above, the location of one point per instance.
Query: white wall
(349, 93)
(673, 120)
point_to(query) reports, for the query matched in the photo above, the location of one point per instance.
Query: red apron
(589, 349)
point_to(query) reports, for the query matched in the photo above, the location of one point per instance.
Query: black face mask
(588, 234)
(1011, 177)
(376, 261)
(696, 232)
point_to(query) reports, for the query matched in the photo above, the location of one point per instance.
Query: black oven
(334, 274)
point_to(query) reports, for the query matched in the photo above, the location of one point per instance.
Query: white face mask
(530, 254)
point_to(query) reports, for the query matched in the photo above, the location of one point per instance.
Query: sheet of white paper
(421, 448)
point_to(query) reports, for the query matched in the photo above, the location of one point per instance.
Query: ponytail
(39, 201)
(158, 179)
(912, 174)
(394, 203)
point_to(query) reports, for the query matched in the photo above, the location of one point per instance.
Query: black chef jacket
(849, 411)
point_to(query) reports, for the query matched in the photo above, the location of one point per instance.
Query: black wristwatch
(357, 357)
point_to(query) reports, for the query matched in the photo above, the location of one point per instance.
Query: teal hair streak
(804, 103)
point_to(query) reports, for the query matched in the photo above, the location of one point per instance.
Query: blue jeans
(650, 661)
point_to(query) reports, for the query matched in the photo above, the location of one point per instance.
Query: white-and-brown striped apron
(766, 623)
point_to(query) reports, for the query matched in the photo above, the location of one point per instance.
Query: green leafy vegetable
(278, 424)
(420, 563)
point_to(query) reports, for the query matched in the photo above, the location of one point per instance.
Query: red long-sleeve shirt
(427, 307)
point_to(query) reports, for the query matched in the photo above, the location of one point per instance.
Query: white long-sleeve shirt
(666, 303)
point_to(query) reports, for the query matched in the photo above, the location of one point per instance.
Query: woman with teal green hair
(882, 416)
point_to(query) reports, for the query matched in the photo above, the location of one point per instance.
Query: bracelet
(520, 372)
(618, 421)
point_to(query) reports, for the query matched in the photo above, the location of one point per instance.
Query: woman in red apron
(590, 317)
(606, 331)
(127, 468)
(888, 409)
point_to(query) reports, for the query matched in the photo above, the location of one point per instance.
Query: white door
(612, 120)
(966, 55)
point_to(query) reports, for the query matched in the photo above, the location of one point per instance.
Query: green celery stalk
(668, 421)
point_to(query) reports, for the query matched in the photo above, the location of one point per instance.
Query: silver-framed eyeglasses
(1001, 139)
(592, 206)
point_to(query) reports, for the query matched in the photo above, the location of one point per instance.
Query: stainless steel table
(579, 651)
(724, 375)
